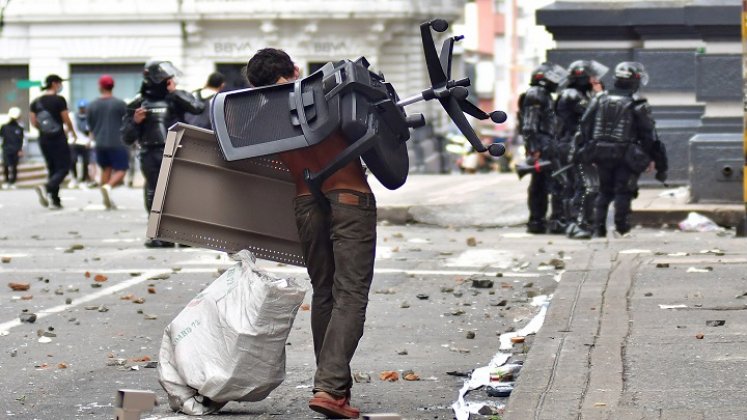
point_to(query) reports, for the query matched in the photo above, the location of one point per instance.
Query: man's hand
(650, 167)
(139, 115)
(20, 153)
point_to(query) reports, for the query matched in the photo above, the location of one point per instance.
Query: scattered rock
(528, 285)
(19, 287)
(140, 359)
(471, 241)
(87, 274)
(389, 291)
(100, 278)
(59, 291)
(459, 350)
(151, 365)
(6, 260)
(139, 301)
(28, 317)
(715, 323)
(164, 276)
(445, 289)
(305, 307)
(470, 335)
(61, 365)
(518, 339)
(482, 283)
(361, 377)
(409, 375)
(68, 301)
(95, 285)
(91, 307)
(404, 305)
(458, 294)
(699, 336)
(103, 308)
(149, 317)
(422, 296)
(662, 265)
(27, 297)
(44, 340)
(13, 352)
(389, 376)
(648, 294)
(457, 312)
(402, 352)
(152, 290)
(557, 263)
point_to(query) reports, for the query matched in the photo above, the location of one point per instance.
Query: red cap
(106, 82)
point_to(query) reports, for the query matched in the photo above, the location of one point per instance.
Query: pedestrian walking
(11, 134)
(537, 122)
(618, 134)
(147, 120)
(339, 242)
(80, 147)
(49, 114)
(105, 116)
(215, 83)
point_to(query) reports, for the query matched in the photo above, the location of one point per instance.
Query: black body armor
(537, 119)
(162, 113)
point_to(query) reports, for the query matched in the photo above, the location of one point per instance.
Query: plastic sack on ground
(696, 222)
(228, 343)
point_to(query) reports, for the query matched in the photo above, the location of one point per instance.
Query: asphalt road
(93, 352)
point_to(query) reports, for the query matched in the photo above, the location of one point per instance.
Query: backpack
(46, 122)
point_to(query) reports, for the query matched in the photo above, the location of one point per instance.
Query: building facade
(80, 40)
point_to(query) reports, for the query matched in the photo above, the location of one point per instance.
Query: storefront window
(10, 94)
(84, 81)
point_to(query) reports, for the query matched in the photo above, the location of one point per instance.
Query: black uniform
(619, 136)
(12, 137)
(162, 113)
(537, 111)
(581, 182)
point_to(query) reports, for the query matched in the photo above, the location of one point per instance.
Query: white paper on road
(481, 376)
(672, 306)
(699, 270)
(636, 251)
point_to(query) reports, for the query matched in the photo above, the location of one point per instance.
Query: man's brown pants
(339, 249)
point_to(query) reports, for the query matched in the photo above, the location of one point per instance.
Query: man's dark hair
(215, 80)
(267, 66)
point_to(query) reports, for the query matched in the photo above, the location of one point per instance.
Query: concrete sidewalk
(499, 199)
(649, 327)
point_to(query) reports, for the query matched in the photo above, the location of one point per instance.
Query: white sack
(228, 343)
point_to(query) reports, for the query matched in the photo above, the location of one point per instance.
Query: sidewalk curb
(656, 218)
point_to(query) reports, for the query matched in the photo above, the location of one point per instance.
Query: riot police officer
(579, 181)
(538, 125)
(149, 116)
(618, 134)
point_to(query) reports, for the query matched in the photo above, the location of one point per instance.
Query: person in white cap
(12, 137)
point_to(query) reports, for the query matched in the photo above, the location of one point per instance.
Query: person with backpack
(215, 83)
(49, 114)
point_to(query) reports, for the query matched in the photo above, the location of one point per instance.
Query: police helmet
(157, 71)
(549, 75)
(630, 75)
(580, 72)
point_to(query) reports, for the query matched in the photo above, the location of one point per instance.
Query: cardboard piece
(201, 200)
(129, 403)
